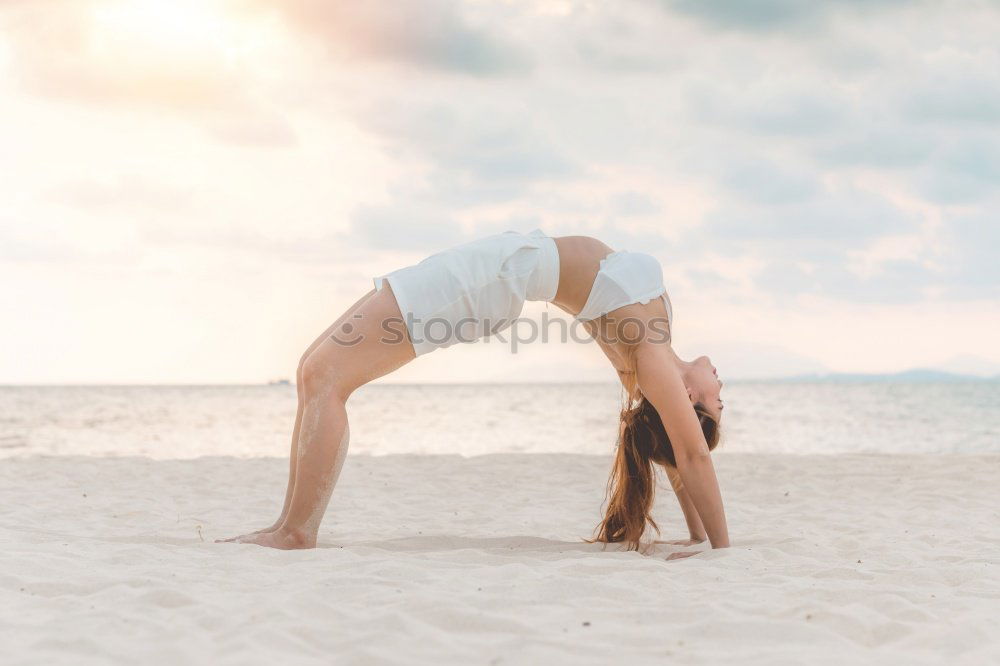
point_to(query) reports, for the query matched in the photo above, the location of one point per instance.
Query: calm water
(186, 422)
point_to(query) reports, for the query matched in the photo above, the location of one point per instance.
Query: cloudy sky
(193, 190)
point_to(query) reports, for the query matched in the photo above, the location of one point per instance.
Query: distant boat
(279, 382)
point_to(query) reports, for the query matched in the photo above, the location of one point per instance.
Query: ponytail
(642, 441)
(632, 484)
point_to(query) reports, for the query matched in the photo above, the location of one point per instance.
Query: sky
(194, 190)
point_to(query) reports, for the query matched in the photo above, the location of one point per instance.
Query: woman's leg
(348, 313)
(356, 352)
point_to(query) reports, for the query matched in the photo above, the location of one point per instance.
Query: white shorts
(473, 290)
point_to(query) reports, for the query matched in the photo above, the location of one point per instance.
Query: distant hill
(916, 375)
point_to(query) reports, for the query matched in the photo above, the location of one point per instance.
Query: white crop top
(625, 278)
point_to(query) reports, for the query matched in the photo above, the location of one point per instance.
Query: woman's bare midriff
(579, 260)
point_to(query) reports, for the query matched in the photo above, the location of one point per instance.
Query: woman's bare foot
(282, 538)
(242, 537)
(682, 542)
(682, 554)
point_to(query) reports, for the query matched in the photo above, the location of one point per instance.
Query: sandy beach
(513, 240)
(444, 559)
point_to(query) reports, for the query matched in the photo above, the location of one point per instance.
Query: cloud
(72, 52)
(407, 227)
(802, 251)
(62, 241)
(226, 240)
(786, 143)
(956, 95)
(129, 191)
(763, 182)
(841, 217)
(633, 204)
(471, 143)
(611, 39)
(419, 229)
(805, 244)
(962, 171)
(261, 131)
(778, 107)
(627, 121)
(467, 155)
(973, 240)
(56, 52)
(887, 147)
(49, 246)
(824, 272)
(750, 360)
(433, 34)
(764, 15)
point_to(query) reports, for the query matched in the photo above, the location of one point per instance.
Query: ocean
(176, 422)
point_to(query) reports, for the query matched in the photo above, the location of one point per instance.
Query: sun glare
(179, 28)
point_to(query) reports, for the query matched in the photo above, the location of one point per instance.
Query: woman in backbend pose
(672, 408)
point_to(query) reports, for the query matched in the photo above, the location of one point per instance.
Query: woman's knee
(324, 374)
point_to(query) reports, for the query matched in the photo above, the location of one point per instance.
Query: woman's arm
(661, 384)
(695, 529)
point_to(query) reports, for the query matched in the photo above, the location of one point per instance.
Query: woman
(672, 407)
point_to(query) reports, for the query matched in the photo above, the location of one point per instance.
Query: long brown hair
(642, 441)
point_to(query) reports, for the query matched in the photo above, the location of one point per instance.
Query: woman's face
(704, 386)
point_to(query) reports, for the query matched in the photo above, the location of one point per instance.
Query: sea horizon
(249, 420)
(915, 376)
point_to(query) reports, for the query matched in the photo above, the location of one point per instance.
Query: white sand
(860, 559)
